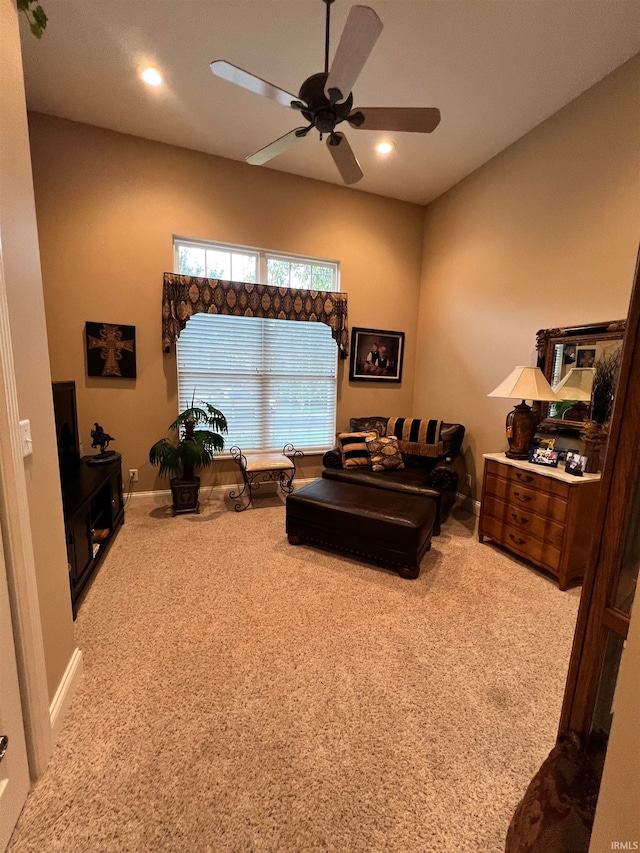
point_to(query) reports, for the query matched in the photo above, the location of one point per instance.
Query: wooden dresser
(541, 514)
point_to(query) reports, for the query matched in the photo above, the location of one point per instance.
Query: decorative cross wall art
(111, 350)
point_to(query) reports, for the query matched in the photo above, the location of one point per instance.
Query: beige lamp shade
(576, 385)
(525, 383)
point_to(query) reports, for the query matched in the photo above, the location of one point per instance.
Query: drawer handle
(517, 539)
(523, 498)
(519, 518)
(524, 478)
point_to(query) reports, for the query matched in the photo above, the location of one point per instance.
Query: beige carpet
(244, 695)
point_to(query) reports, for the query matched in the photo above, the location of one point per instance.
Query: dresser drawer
(535, 481)
(527, 546)
(524, 521)
(521, 497)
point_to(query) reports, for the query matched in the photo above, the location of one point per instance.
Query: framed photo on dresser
(575, 464)
(544, 456)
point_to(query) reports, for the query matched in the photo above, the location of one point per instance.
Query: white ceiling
(495, 68)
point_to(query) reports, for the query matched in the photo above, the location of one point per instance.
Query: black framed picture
(585, 356)
(111, 350)
(544, 456)
(575, 464)
(376, 355)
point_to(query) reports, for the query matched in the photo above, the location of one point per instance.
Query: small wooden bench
(258, 468)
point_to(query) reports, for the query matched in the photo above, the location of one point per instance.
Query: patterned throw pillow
(353, 446)
(384, 453)
(418, 437)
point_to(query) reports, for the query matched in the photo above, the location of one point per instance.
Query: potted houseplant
(194, 449)
(596, 430)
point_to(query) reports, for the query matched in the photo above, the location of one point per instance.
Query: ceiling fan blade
(344, 158)
(278, 146)
(356, 43)
(254, 84)
(406, 119)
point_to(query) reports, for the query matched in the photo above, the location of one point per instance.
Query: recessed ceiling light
(385, 147)
(151, 76)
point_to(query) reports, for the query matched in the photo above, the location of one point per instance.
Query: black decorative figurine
(101, 439)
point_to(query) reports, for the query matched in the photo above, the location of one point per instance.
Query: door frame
(19, 558)
(14, 770)
(596, 616)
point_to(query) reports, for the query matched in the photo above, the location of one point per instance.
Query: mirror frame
(546, 340)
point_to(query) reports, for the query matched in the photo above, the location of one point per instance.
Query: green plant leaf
(35, 16)
(216, 419)
(167, 456)
(39, 17)
(191, 449)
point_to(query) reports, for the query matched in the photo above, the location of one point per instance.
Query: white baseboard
(304, 481)
(467, 502)
(158, 498)
(64, 694)
(162, 497)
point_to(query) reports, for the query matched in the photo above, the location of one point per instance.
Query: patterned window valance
(186, 295)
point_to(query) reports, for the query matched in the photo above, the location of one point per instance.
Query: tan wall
(21, 261)
(108, 205)
(543, 235)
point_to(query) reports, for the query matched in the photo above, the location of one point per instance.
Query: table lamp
(576, 386)
(523, 383)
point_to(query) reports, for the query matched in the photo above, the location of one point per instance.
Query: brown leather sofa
(436, 478)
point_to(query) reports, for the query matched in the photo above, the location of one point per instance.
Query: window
(274, 380)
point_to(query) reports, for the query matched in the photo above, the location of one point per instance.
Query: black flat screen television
(66, 415)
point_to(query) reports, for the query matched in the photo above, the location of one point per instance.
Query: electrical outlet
(467, 480)
(133, 475)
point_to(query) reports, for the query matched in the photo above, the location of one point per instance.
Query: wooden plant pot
(592, 450)
(185, 495)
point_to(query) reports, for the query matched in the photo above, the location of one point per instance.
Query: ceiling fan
(326, 99)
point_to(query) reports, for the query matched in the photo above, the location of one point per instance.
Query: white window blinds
(274, 380)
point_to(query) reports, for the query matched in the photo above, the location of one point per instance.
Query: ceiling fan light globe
(151, 76)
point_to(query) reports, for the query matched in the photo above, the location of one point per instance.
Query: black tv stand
(93, 512)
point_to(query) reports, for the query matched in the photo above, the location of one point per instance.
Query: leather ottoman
(384, 527)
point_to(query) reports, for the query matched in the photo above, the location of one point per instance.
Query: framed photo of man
(376, 355)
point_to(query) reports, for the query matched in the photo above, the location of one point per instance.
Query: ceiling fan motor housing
(319, 111)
